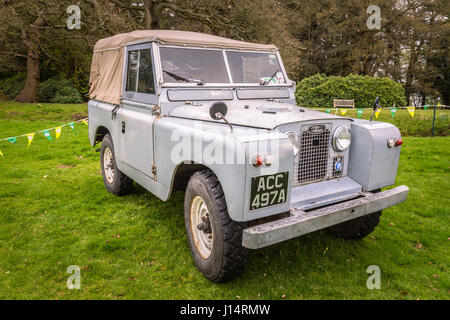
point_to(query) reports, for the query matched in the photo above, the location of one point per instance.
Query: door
(135, 115)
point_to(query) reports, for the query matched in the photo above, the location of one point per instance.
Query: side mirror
(376, 103)
(218, 110)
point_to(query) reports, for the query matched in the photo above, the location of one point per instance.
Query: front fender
(189, 141)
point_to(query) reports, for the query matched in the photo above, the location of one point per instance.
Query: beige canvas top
(178, 38)
(107, 62)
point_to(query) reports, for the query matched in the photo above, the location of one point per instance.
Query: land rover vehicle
(217, 118)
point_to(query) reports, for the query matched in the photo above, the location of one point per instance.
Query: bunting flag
(58, 132)
(360, 112)
(72, 126)
(393, 111)
(12, 140)
(377, 113)
(327, 111)
(343, 111)
(411, 111)
(30, 137)
(47, 135)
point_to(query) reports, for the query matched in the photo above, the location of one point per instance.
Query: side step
(302, 222)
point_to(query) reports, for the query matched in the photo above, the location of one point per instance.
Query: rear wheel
(214, 238)
(115, 180)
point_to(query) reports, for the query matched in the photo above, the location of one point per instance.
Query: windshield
(203, 66)
(255, 67)
(193, 65)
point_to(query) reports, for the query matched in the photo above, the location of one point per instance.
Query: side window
(140, 72)
(133, 64)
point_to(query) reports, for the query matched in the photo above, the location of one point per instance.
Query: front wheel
(214, 238)
(357, 228)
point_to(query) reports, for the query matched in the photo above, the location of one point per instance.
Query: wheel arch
(183, 173)
(100, 132)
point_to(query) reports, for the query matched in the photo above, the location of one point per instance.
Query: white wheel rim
(108, 165)
(201, 228)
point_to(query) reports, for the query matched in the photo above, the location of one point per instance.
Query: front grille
(314, 153)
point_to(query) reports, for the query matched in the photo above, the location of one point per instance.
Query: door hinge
(153, 169)
(156, 111)
(114, 111)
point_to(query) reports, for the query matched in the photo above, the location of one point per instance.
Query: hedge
(58, 90)
(11, 87)
(320, 90)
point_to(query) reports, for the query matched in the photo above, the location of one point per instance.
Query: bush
(11, 87)
(58, 90)
(320, 90)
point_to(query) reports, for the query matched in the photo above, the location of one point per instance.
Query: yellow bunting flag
(1, 154)
(377, 113)
(58, 131)
(30, 137)
(411, 111)
(343, 111)
(84, 121)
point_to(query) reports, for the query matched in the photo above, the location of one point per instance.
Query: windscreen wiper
(270, 79)
(180, 78)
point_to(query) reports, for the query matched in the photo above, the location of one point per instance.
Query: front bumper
(302, 222)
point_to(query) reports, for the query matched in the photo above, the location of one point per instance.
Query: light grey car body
(142, 128)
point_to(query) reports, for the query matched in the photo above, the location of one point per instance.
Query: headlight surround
(342, 138)
(295, 140)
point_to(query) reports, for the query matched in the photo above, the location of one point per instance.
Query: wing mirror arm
(218, 110)
(220, 116)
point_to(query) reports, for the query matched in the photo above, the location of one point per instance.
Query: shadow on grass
(306, 257)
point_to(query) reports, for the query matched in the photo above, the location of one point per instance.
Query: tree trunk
(152, 14)
(410, 77)
(29, 91)
(148, 15)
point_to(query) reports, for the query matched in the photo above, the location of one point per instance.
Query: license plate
(268, 190)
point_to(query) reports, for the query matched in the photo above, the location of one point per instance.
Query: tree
(37, 31)
(264, 21)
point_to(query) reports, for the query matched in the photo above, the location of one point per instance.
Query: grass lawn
(56, 213)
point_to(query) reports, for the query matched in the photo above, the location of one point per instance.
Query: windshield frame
(214, 85)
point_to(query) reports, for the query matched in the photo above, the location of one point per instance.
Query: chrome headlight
(295, 140)
(342, 138)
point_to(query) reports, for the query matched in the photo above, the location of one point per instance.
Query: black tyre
(357, 228)
(115, 181)
(214, 239)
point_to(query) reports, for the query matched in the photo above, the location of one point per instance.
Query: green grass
(56, 212)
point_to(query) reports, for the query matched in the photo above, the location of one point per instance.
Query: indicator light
(258, 160)
(398, 142)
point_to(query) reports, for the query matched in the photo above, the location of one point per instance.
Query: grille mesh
(314, 154)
